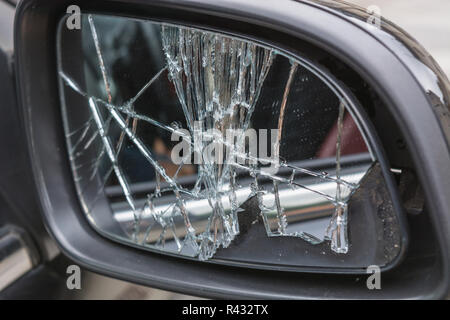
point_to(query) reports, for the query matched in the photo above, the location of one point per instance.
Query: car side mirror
(208, 146)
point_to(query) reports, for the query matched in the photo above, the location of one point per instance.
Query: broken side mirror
(176, 143)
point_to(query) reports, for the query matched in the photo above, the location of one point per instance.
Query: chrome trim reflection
(301, 206)
(16, 258)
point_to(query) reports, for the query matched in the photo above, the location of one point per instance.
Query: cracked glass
(183, 140)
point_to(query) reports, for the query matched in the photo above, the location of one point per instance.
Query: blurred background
(428, 21)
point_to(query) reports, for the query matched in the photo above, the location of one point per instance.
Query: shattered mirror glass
(208, 146)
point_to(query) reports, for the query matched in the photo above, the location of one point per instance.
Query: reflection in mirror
(183, 140)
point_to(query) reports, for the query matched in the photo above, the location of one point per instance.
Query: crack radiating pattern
(218, 81)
